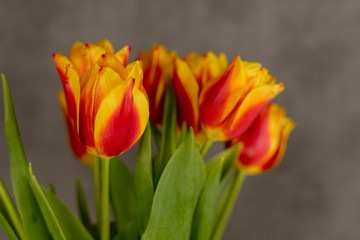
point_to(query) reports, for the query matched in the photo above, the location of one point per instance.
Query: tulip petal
(87, 98)
(74, 140)
(274, 161)
(187, 91)
(219, 97)
(108, 80)
(71, 85)
(106, 44)
(158, 69)
(206, 67)
(240, 119)
(123, 55)
(85, 55)
(109, 60)
(120, 120)
(135, 71)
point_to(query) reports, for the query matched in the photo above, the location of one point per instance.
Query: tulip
(186, 90)
(105, 101)
(229, 104)
(264, 142)
(206, 67)
(158, 70)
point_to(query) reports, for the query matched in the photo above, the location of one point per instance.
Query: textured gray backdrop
(311, 46)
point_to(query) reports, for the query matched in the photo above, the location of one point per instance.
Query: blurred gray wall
(310, 46)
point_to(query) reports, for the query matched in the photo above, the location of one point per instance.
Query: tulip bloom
(190, 75)
(229, 105)
(158, 70)
(206, 67)
(106, 106)
(265, 140)
(186, 90)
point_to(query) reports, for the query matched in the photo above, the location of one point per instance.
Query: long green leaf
(62, 223)
(206, 206)
(9, 211)
(177, 193)
(33, 222)
(143, 180)
(7, 228)
(122, 193)
(228, 156)
(168, 138)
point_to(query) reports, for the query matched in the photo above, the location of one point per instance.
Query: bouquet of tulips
(181, 105)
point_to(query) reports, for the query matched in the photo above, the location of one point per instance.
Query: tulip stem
(104, 200)
(205, 147)
(96, 175)
(227, 203)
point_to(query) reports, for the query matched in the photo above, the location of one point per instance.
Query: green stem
(227, 205)
(96, 175)
(104, 200)
(205, 147)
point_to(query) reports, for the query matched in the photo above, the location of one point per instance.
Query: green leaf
(177, 193)
(128, 232)
(143, 180)
(7, 228)
(33, 222)
(228, 156)
(52, 189)
(122, 193)
(9, 211)
(206, 206)
(183, 133)
(82, 205)
(62, 223)
(168, 139)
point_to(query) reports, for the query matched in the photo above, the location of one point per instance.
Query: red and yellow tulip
(186, 90)
(264, 142)
(190, 75)
(229, 104)
(106, 105)
(158, 70)
(206, 67)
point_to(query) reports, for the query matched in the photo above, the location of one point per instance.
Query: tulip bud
(206, 67)
(264, 142)
(229, 105)
(158, 70)
(106, 103)
(186, 90)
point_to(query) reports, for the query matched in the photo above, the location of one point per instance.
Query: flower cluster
(107, 102)
(172, 194)
(219, 101)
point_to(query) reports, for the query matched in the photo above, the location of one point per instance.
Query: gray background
(310, 46)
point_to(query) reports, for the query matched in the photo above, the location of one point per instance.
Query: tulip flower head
(106, 104)
(264, 142)
(190, 74)
(206, 67)
(229, 104)
(158, 70)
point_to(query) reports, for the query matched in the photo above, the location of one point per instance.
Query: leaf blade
(122, 194)
(143, 180)
(62, 222)
(177, 193)
(33, 222)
